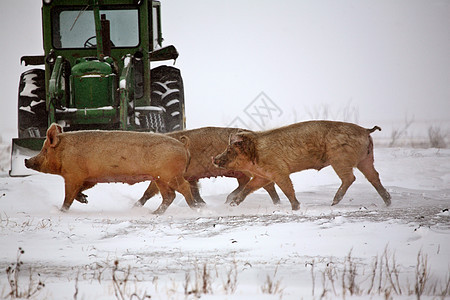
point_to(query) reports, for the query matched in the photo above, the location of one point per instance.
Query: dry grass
(383, 279)
(272, 285)
(17, 288)
(120, 284)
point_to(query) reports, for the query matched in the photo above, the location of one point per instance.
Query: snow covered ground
(358, 249)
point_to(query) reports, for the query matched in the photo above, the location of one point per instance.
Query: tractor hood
(92, 66)
(93, 83)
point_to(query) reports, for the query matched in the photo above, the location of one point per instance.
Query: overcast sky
(384, 59)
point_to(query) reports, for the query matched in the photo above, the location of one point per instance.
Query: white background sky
(387, 58)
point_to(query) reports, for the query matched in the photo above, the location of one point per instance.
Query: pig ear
(234, 138)
(52, 134)
(249, 147)
(246, 145)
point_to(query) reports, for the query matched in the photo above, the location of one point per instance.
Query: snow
(74, 110)
(27, 108)
(34, 103)
(126, 61)
(122, 84)
(29, 87)
(92, 76)
(150, 108)
(172, 102)
(256, 245)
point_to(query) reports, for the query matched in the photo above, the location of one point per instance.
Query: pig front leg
(254, 184)
(72, 189)
(270, 188)
(285, 184)
(242, 181)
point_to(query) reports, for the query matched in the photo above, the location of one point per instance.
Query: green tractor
(96, 74)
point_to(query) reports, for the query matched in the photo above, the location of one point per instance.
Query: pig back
(205, 143)
(313, 144)
(120, 156)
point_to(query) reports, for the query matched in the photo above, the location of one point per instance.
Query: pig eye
(231, 151)
(236, 145)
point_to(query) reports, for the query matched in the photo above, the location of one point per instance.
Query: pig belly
(215, 173)
(130, 179)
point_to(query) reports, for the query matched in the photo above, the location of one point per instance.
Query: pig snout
(32, 163)
(29, 164)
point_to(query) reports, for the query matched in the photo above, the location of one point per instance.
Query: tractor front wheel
(32, 115)
(167, 92)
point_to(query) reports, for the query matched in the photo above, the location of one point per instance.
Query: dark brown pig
(85, 158)
(205, 143)
(274, 154)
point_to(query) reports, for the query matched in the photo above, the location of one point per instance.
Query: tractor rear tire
(167, 92)
(32, 114)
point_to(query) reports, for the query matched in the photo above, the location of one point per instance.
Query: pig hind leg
(151, 191)
(180, 185)
(367, 168)
(168, 196)
(347, 177)
(196, 192)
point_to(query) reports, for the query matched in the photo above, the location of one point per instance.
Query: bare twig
(398, 133)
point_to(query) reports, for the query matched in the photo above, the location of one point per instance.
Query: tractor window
(76, 28)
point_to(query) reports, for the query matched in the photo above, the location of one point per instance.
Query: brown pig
(205, 143)
(274, 154)
(85, 158)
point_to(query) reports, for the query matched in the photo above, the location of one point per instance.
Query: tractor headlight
(47, 2)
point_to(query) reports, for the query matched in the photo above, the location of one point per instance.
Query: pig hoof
(234, 203)
(387, 199)
(334, 203)
(198, 205)
(229, 199)
(296, 206)
(82, 198)
(138, 204)
(160, 210)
